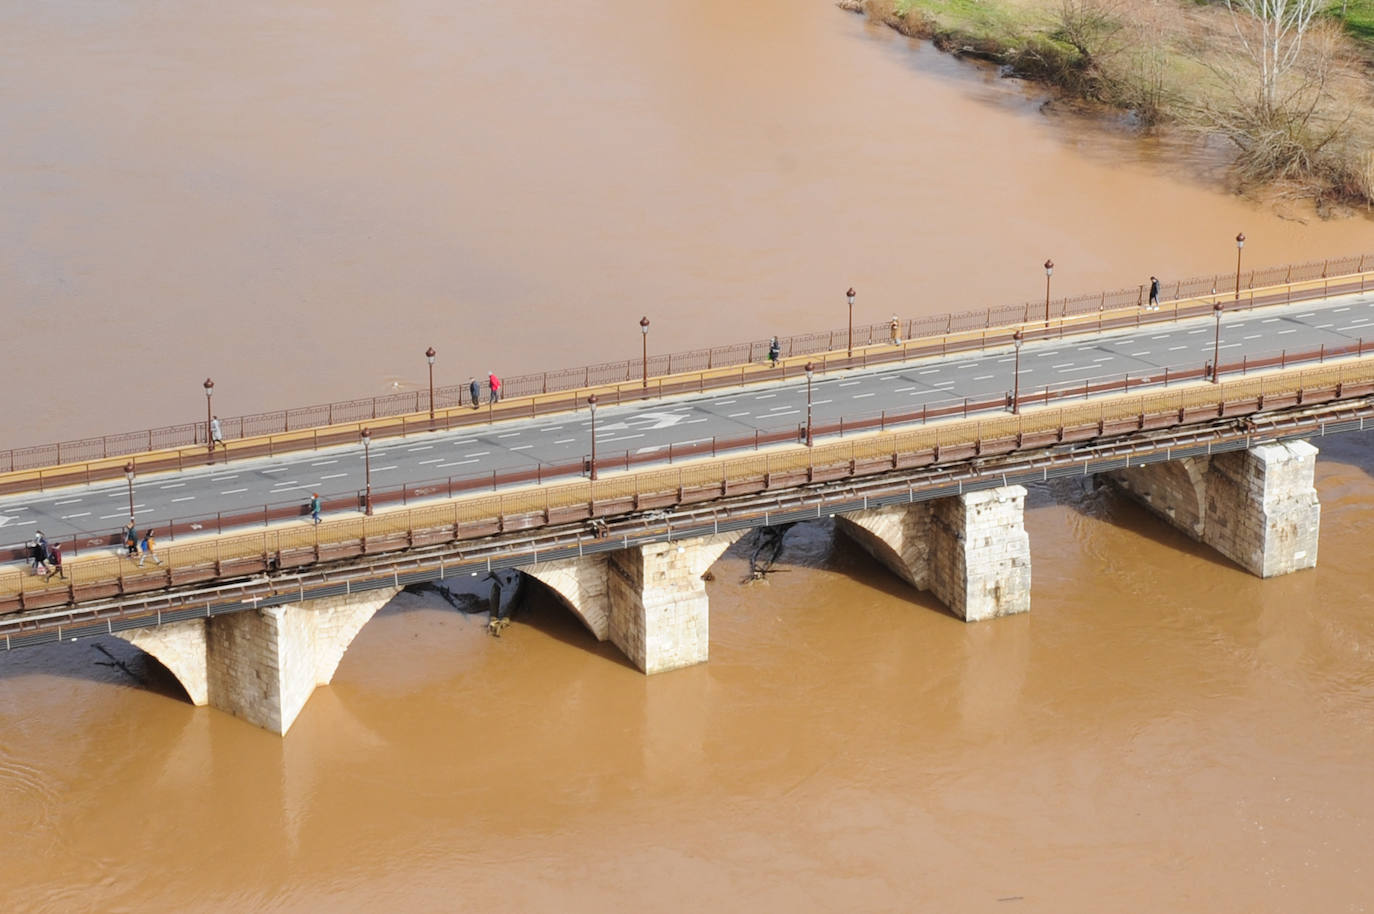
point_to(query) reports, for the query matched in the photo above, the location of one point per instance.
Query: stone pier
(650, 601)
(970, 551)
(261, 664)
(1258, 507)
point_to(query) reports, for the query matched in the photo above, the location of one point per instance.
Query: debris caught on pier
(767, 548)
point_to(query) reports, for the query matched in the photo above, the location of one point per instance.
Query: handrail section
(628, 377)
(484, 515)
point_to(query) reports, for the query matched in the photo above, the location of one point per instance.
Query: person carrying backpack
(55, 562)
(148, 547)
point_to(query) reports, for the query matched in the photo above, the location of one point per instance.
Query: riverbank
(1180, 67)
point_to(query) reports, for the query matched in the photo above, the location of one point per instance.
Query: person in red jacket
(494, 383)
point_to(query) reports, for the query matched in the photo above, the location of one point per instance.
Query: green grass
(1359, 19)
(977, 17)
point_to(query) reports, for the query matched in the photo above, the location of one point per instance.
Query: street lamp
(591, 404)
(1049, 271)
(429, 357)
(850, 296)
(1216, 343)
(209, 438)
(644, 364)
(367, 469)
(1016, 340)
(129, 475)
(1240, 243)
(810, 370)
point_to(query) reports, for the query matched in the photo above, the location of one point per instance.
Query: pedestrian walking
(147, 548)
(1154, 295)
(315, 506)
(894, 327)
(216, 436)
(38, 551)
(774, 350)
(130, 538)
(55, 562)
(474, 392)
(494, 384)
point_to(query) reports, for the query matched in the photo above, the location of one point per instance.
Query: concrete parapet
(1258, 507)
(261, 665)
(971, 551)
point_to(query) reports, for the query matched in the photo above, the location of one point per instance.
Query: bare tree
(1271, 32)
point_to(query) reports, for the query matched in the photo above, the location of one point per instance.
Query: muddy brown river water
(297, 198)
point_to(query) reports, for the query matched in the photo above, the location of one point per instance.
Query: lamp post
(810, 370)
(1240, 243)
(850, 296)
(129, 475)
(429, 357)
(1049, 271)
(1216, 344)
(591, 404)
(644, 364)
(1016, 340)
(367, 469)
(209, 439)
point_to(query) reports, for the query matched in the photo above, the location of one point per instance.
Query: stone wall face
(1259, 508)
(1176, 490)
(261, 665)
(971, 551)
(580, 584)
(1262, 508)
(180, 647)
(980, 552)
(659, 614)
(898, 536)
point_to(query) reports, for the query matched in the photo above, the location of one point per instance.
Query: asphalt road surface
(648, 427)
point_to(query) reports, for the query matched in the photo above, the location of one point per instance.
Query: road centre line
(1105, 358)
(184, 498)
(431, 460)
(74, 516)
(477, 454)
(776, 408)
(736, 415)
(1291, 330)
(333, 476)
(232, 491)
(1252, 336)
(522, 447)
(902, 390)
(819, 402)
(565, 440)
(861, 396)
(1136, 355)
(1062, 365)
(278, 485)
(983, 377)
(379, 469)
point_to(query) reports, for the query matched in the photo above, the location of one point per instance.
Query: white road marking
(1062, 365)
(1252, 336)
(1199, 330)
(1105, 358)
(928, 371)
(565, 441)
(1176, 348)
(380, 469)
(620, 438)
(324, 463)
(456, 463)
(1162, 336)
(292, 482)
(1269, 320)
(1293, 330)
(223, 478)
(765, 396)
(335, 476)
(431, 460)
(72, 501)
(1307, 314)
(736, 415)
(861, 396)
(73, 516)
(819, 402)
(723, 402)
(525, 447)
(1323, 326)
(1136, 355)
(790, 413)
(983, 377)
(277, 470)
(508, 435)
(185, 498)
(1347, 308)
(902, 390)
(232, 491)
(173, 485)
(849, 383)
(477, 454)
(773, 409)
(109, 516)
(422, 447)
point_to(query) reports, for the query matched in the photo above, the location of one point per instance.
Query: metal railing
(476, 516)
(921, 336)
(450, 486)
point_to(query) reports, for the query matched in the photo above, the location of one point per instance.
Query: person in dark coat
(55, 562)
(130, 539)
(474, 392)
(774, 350)
(1154, 294)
